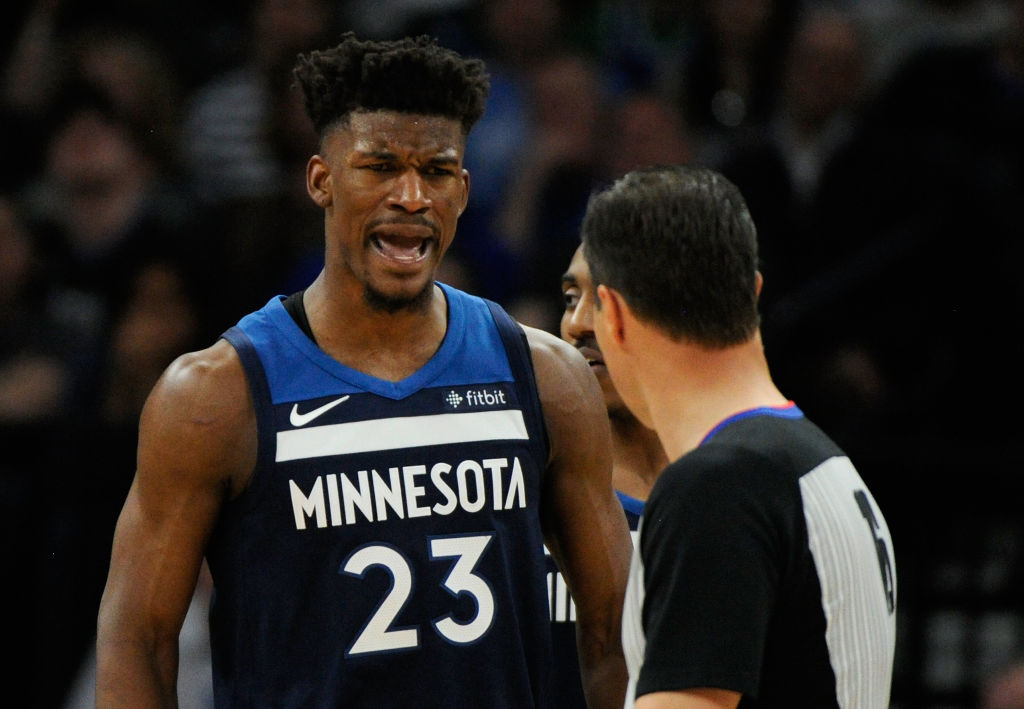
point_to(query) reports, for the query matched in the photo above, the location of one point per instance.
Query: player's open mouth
(401, 248)
(593, 356)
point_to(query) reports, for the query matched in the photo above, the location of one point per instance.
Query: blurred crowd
(152, 191)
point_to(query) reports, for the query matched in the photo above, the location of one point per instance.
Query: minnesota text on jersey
(468, 485)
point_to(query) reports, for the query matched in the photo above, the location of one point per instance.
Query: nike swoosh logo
(298, 419)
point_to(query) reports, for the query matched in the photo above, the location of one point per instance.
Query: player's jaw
(592, 353)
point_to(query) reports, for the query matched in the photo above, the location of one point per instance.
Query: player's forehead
(394, 131)
(578, 272)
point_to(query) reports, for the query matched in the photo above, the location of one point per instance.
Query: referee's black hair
(410, 75)
(680, 246)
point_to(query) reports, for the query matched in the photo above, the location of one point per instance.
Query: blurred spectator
(158, 322)
(36, 375)
(155, 319)
(102, 202)
(540, 215)
(642, 46)
(897, 29)
(646, 128)
(61, 45)
(787, 166)
(101, 207)
(514, 37)
(31, 73)
(939, 153)
(46, 358)
(225, 143)
(246, 141)
(1011, 47)
(585, 138)
(389, 19)
(32, 68)
(136, 77)
(731, 77)
(273, 240)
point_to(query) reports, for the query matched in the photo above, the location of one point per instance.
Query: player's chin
(395, 294)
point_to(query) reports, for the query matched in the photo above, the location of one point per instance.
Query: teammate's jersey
(764, 566)
(567, 685)
(388, 551)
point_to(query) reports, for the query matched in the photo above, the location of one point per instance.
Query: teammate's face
(577, 326)
(393, 187)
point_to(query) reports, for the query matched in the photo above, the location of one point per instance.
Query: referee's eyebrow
(569, 280)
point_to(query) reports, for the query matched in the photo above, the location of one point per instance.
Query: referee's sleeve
(711, 551)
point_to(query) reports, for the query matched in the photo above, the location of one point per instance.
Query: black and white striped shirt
(764, 567)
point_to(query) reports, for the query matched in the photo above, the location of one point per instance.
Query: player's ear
(614, 311)
(465, 191)
(318, 181)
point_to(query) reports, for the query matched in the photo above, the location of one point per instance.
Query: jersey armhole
(266, 439)
(517, 349)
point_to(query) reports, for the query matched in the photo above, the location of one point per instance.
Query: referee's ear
(612, 311)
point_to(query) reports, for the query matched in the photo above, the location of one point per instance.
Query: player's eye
(438, 171)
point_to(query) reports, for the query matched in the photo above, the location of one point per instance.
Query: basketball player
(372, 465)
(637, 459)
(764, 574)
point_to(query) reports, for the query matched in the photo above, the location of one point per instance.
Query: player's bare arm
(197, 448)
(584, 526)
(691, 699)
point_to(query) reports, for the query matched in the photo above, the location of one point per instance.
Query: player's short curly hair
(410, 75)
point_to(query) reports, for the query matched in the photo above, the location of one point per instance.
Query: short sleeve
(712, 546)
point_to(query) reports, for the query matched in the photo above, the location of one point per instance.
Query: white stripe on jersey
(861, 630)
(400, 432)
(634, 640)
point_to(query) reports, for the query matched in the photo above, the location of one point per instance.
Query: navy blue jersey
(567, 685)
(387, 551)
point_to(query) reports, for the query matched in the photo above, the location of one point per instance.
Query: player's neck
(637, 456)
(386, 345)
(700, 388)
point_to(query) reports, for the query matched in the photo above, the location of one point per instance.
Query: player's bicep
(585, 527)
(690, 699)
(193, 441)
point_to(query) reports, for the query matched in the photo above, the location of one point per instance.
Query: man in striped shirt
(764, 574)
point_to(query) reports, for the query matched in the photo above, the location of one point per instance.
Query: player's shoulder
(552, 351)
(570, 398)
(560, 369)
(200, 415)
(203, 386)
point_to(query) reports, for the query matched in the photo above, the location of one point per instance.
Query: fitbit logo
(475, 397)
